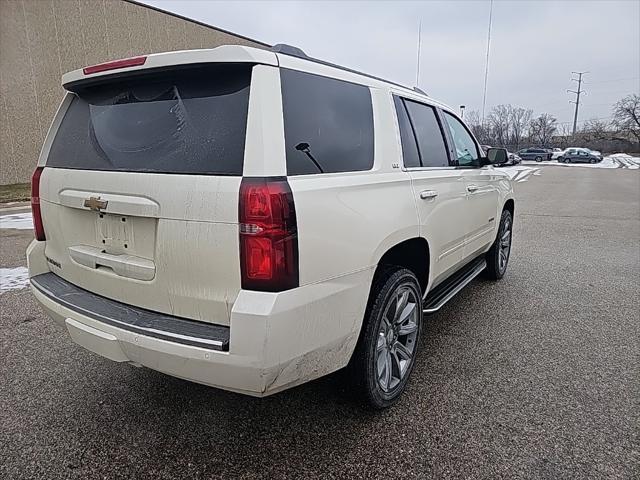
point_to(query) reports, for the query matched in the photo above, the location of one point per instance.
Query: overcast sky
(534, 45)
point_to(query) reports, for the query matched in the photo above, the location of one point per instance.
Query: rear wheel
(498, 256)
(538, 159)
(386, 351)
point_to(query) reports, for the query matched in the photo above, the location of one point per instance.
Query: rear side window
(328, 124)
(190, 121)
(433, 151)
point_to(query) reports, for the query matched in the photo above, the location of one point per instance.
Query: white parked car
(556, 153)
(252, 219)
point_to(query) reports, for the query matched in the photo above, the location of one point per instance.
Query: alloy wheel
(397, 335)
(505, 245)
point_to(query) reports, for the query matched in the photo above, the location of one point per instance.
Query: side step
(452, 285)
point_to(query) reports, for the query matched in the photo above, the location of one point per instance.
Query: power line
(577, 102)
(486, 68)
(613, 80)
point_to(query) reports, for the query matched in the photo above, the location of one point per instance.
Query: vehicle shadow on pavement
(161, 420)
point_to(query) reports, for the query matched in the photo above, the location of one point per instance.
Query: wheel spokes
(406, 313)
(407, 328)
(386, 375)
(401, 304)
(403, 351)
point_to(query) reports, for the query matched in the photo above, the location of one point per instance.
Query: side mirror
(497, 156)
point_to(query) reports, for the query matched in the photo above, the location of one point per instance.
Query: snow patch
(519, 173)
(19, 221)
(13, 278)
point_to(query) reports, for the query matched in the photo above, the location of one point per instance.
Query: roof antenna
(419, 46)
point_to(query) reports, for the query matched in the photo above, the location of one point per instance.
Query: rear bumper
(275, 340)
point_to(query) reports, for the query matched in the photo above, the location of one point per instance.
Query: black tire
(561, 159)
(363, 369)
(496, 267)
(593, 160)
(538, 159)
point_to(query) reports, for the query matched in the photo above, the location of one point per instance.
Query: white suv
(252, 219)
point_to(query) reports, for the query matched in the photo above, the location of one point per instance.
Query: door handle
(472, 188)
(426, 194)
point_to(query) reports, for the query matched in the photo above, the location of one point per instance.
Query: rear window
(189, 121)
(328, 124)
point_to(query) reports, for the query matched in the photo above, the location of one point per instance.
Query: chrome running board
(452, 285)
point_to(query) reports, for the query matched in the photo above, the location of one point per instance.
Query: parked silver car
(579, 155)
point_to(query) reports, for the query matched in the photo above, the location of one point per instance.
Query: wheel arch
(412, 254)
(509, 205)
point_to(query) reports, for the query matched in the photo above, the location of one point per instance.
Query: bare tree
(542, 129)
(478, 130)
(595, 130)
(499, 124)
(626, 116)
(519, 119)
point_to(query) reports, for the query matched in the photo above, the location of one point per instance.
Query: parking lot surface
(536, 376)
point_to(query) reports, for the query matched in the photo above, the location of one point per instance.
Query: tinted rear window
(190, 121)
(328, 124)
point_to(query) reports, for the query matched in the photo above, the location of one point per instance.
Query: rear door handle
(426, 194)
(472, 188)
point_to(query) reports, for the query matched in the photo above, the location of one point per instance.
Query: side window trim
(443, 132)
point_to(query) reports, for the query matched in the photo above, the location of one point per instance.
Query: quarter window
(410, 155)
(465, 147)
(328, 124)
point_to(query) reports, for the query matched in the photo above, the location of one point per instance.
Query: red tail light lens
(114, 65)
(35, 204)
(268, 235)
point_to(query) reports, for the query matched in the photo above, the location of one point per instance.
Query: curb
(13, 206)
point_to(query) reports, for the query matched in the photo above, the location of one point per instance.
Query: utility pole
(578, 93)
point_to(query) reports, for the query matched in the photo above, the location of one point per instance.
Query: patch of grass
(16, 192)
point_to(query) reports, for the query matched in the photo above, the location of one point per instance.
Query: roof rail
(292, 51)
(288, 50)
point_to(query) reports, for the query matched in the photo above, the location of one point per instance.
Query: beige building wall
(42, 39)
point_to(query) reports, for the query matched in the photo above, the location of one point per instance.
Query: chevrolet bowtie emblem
(95, 204)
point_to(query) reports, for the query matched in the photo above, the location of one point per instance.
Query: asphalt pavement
(536, 376)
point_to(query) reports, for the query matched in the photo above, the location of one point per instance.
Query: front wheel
(386, 351)
(498, 256)
(538, 159)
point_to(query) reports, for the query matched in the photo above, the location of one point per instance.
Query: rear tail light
(35, 204)
(268, 235)
(115, 64)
